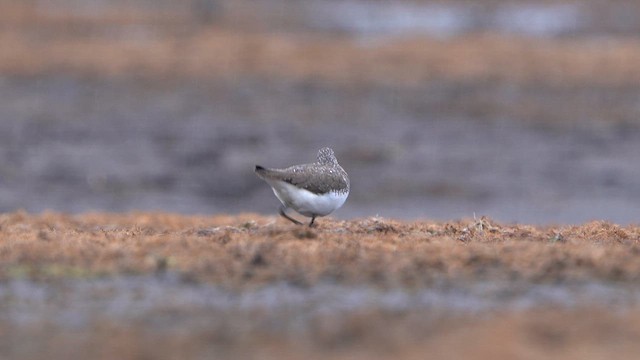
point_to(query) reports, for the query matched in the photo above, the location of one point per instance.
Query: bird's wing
(311, 177)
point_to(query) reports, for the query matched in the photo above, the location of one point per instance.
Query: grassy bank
(163, 286)
(248, 250)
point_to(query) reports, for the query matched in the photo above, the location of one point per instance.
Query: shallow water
(368, 18)
(372, 19)
(76, 304)
(439, 151)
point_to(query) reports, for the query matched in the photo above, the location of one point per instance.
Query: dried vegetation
(249, 250)
(173, 46)
(217, 53)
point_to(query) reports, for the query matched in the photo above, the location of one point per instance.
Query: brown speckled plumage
(320, 177)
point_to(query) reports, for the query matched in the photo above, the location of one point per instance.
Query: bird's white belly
(305, 202)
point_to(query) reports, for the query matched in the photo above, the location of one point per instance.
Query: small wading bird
(315, 189)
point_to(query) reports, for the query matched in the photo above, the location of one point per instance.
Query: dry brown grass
(218, 53)
(248, 250)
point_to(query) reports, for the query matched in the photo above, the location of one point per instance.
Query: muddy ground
(165, 286)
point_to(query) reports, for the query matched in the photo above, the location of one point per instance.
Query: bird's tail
(261, 171)
(269, 174)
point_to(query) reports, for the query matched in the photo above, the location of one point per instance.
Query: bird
(312, 190)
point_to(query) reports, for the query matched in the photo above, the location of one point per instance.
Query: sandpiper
(315, 189)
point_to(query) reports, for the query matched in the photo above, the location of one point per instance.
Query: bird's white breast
(305, 202)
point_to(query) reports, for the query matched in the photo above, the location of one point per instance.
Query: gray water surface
(439, 151)
(76, 304)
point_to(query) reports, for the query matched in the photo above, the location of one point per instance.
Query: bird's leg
(284, 215)
(313, 218)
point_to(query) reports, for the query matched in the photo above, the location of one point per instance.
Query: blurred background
(523, 111)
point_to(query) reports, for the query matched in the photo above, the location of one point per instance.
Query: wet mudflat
(165, 318)
(471, 114)
(161, 285)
